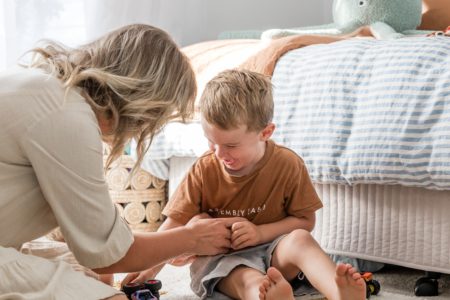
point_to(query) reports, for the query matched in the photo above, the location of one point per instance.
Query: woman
(54, 114)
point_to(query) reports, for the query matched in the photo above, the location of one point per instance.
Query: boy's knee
(300, 236)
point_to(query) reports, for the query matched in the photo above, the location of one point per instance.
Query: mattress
(364, 111)
(394, 224)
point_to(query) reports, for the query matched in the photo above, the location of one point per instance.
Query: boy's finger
(230, 221)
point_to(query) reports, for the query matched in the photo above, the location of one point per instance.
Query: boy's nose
(219, 151)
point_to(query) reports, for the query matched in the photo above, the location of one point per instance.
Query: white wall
(190, 21)
(24, 22)
(222, 15)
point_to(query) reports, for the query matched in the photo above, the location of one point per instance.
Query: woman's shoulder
(34, 82)
(21, 79)
(37, 98)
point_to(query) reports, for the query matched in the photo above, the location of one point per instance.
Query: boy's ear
(267, 132)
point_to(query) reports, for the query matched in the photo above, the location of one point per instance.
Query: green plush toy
(388, 19)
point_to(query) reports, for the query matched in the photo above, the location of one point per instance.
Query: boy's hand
(212, 236)
(245, 234)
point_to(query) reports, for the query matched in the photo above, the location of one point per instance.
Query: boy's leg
(299, 251)
(242, 283)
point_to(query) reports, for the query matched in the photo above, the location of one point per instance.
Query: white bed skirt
(393, 224)
(386, 223)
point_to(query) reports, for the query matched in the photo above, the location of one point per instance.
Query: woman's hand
(131, 277)
(245, 234)
(212, 236)
(141, 276)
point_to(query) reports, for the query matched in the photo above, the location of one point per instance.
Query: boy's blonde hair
(135, 76)
(238, 97)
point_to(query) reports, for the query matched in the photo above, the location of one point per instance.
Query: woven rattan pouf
(141, 199)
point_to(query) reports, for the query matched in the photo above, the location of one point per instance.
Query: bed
(370, 118)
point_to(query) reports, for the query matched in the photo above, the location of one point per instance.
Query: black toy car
(143, 295)
(148, 290)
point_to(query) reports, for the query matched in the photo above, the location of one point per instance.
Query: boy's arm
(273, 230)
(246, 234)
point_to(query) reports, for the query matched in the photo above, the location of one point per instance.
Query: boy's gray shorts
(207, 271)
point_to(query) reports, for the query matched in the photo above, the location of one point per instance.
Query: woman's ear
(104, 123)
(267, 132)
(106, 128)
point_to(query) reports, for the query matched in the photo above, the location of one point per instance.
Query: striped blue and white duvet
(357, 111)
(368, 111)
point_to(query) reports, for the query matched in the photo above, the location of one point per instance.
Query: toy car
(372, 286)
(143, 295)
(148, 290)
(154, 285)
(132, 287)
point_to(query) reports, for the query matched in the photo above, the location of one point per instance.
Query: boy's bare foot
(275, 287)
(350, 284)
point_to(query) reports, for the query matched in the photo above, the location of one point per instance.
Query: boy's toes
(274, 275)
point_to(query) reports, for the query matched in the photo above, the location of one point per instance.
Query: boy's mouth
(228, 162)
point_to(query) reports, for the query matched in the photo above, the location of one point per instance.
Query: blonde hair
(238, 97)
(135, 76)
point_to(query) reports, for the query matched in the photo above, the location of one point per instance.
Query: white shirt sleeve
(65, 151)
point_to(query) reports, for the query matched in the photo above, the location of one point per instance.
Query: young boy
(245, 174)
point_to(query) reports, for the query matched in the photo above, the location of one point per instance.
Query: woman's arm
(168, 224)
(202, 237)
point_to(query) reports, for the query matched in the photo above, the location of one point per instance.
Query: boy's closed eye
(231, 146)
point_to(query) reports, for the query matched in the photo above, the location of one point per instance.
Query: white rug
(175, 282)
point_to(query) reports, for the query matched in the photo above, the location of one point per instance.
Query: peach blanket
(211, 57)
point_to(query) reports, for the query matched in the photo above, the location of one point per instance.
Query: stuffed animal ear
(435, 14)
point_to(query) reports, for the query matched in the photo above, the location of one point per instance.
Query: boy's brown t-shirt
(278, 187)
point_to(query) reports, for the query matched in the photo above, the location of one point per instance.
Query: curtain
(74, 22)
(178, 17)
(24, 22)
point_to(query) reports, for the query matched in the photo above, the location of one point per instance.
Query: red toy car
(372, 286)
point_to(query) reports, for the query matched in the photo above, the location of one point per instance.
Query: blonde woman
(54, 114)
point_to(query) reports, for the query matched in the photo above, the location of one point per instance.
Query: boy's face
(238, 149)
